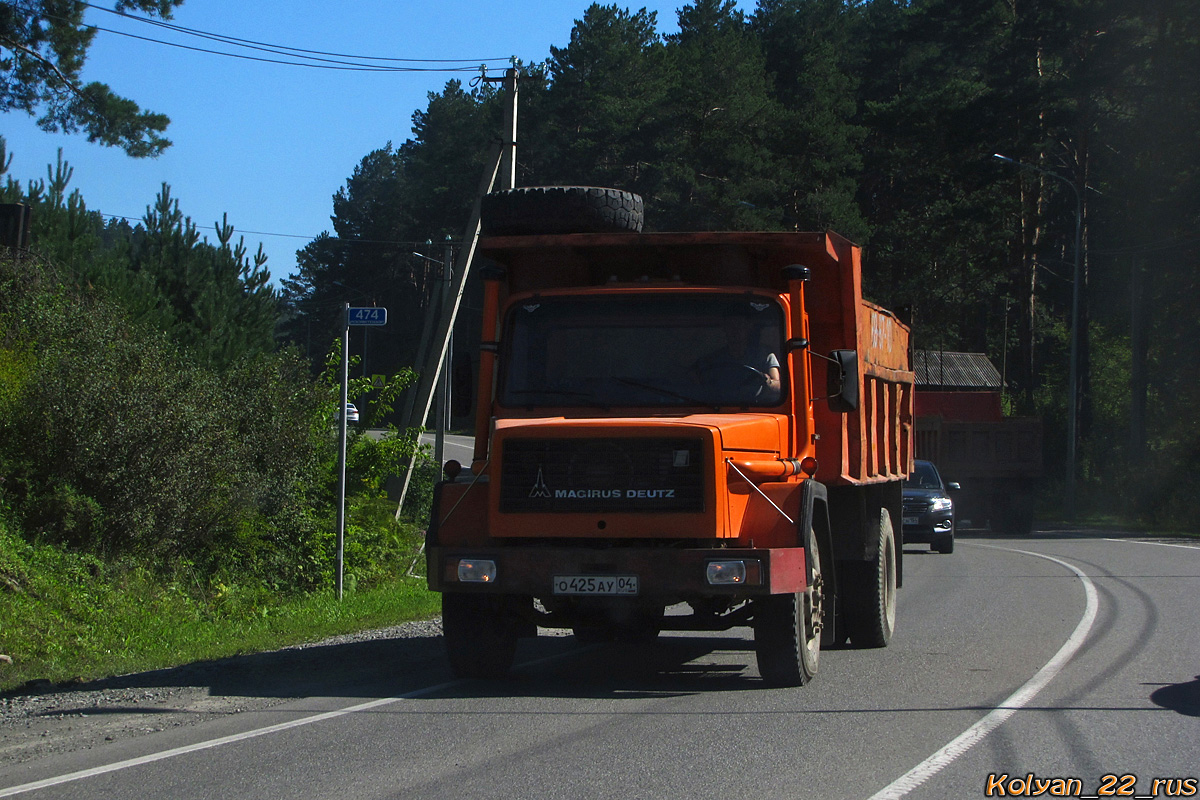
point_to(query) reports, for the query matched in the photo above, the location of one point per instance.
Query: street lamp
(1073, 371)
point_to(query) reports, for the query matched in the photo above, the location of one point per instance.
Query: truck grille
(602, 475)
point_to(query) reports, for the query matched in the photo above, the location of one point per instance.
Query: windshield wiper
(669, 392)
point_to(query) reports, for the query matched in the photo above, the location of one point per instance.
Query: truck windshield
(643, 350)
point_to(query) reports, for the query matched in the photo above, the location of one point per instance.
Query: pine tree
(718, 170)
(604, 105)
(812, 56)
(43, 46)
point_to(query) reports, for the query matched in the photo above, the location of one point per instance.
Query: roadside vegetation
(71, 616)
(166, 415)
(167, 471)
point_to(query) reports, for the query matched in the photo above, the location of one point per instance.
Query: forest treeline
(160, 399)
(878, 119)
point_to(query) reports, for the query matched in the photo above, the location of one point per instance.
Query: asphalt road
(1064, 655)
(460, 448)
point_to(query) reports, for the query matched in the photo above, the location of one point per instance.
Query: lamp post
(1073, 371)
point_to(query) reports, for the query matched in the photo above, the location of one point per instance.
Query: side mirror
(842, 381)
(953, 486)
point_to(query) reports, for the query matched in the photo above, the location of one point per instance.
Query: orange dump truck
(677, 431)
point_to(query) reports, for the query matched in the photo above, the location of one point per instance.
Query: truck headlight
(476, 570)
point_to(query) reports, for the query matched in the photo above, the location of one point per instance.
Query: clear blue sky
(270, 144)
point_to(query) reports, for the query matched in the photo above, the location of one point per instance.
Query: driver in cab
(741, 364)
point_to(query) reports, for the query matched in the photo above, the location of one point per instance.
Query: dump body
(620, 468)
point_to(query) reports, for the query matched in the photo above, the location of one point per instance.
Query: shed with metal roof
(939, 370)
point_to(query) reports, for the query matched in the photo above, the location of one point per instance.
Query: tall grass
(68, 616)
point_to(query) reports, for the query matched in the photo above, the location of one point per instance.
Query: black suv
(928, 509)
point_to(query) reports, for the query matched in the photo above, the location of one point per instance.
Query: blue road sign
(366, 316)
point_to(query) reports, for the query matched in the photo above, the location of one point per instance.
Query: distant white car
(351, 412)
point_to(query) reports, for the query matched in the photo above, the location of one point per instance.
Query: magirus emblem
(540, 489)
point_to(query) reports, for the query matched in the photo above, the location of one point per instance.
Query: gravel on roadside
(43, 719)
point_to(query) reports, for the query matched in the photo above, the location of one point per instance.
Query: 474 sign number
(366, 316)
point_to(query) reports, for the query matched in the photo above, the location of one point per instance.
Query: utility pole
(502, 153)
(443, 395)
(438, 305)
(508, 156)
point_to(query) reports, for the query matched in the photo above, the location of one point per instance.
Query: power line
(236, 230)
(280, 49)
(338, 62)
(339, 66)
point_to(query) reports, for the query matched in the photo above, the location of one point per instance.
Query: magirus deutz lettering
(611, 494)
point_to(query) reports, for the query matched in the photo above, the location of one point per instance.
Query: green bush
(115, 442)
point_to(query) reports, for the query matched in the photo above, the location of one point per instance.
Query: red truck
(960, 427)
(714, 424)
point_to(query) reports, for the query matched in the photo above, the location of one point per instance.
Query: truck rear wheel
(480, 633)
(533, 210)
(787, 630)
(869, 588)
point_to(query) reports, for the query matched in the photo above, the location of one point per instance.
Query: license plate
(910, 520)
(596, 584)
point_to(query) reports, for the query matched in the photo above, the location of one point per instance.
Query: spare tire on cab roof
(533, 210)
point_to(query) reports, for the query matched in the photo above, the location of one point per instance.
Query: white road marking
(1158, 544)
(976, 733)
(239, 737)
(192, 748)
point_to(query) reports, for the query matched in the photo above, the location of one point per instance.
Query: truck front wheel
(787, 630)
(481, 634)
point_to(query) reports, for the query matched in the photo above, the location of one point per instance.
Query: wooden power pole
(500, 167)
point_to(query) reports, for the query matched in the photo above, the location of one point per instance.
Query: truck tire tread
(870, 590)
(534, 210)
(787, 632)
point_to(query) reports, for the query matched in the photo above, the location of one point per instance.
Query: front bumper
(662, 572)
(930, 527)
